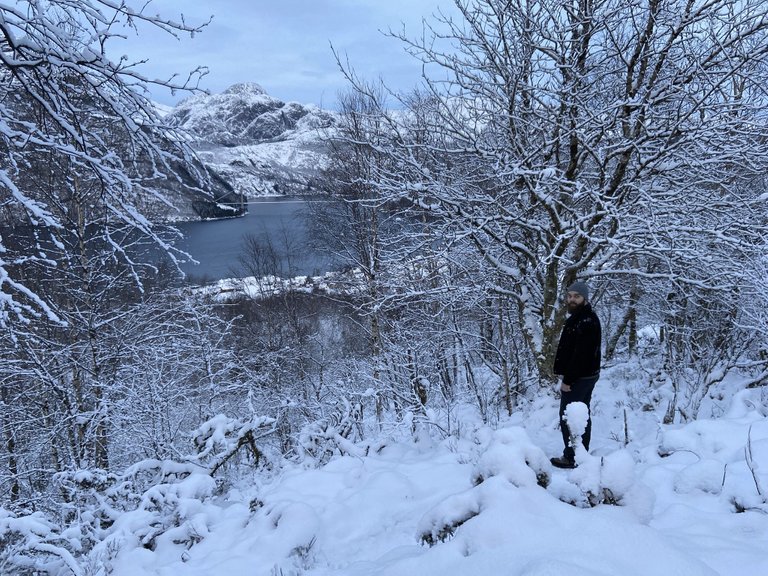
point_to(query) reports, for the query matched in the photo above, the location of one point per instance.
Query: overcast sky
(284, 45)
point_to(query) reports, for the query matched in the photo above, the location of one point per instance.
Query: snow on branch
(79, 134)
(221, 437)
(32, 543)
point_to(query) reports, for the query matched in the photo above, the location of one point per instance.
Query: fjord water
(279, 225)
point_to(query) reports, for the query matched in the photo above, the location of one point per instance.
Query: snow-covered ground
(474, 503)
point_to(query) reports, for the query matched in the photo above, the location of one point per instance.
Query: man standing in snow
(577, 362)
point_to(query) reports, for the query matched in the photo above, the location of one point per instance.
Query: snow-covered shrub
(617, 476)
(611, 479)
(755, 459)
(168, 500)
(440, 523)
(289, 532)
(33, 544)
(512, 455)
(599, 480)
(336, 435)
(509, 461)
(729, 461)
(162, 498)
(719, 439)
(88, 507)
(707, 475)
(221, 437)
(153, 503)
(101, 512)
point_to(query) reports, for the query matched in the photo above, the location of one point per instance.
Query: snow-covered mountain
(256, 143)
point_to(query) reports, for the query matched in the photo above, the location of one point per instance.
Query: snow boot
(563, 462)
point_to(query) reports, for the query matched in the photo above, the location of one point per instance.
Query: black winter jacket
(578, 352)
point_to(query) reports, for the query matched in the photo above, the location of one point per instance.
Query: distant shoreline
(284, 199)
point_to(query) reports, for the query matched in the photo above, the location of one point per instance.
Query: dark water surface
(279, 225)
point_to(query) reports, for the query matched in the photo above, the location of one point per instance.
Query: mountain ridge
(257, 144)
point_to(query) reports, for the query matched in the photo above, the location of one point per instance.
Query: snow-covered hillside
(474, 505)
(258, 144)
(650, 500)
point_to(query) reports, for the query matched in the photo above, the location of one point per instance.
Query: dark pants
(581, 391)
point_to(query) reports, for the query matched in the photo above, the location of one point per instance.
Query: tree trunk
(10, 446)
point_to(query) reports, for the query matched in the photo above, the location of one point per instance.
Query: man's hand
(565, 387)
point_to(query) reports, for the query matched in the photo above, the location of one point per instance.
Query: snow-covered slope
(651, 500)
(258, 144)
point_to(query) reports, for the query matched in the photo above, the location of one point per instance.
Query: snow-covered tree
(80, 141)
(592, 139)
(399, 285)
(81, 151)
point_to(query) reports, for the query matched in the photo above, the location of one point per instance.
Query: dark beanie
(580, 288)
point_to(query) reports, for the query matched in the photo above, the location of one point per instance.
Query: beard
(572, 307)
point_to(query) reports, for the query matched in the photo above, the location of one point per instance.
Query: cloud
(285, 46)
